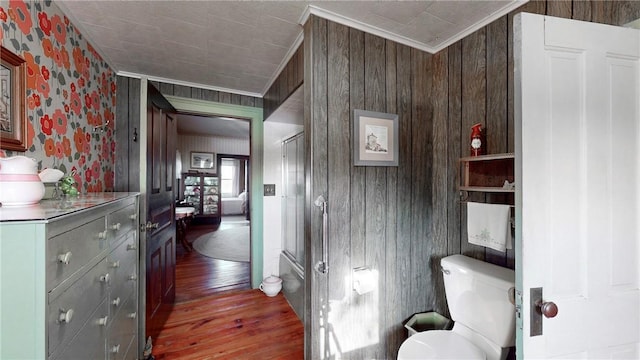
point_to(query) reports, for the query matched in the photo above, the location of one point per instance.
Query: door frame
(255, 116)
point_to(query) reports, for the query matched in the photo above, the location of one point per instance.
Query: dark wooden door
(160, 227)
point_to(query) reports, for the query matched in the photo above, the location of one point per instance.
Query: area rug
(228, 244)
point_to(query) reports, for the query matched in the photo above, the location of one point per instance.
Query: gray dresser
(69, 278)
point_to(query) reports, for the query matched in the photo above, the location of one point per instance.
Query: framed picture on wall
(13, 96)
(203, 160)
(375, 138)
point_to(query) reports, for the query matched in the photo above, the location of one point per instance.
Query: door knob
(537, 308)
(548, 308)
(149, 226)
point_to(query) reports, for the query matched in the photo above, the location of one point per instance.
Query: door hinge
(518, 303)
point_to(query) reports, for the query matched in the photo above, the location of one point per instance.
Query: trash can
(425, 321)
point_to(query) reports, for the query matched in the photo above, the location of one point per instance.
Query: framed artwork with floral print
(13, 129)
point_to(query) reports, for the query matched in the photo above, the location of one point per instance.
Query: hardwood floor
(242, 324)
(198, 275)
(218, 316)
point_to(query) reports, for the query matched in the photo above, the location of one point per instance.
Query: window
(229, 171)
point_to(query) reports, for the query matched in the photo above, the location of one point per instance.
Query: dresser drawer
(122, 267)
(130, 351)
(72, 250)
(91, 339)
(120, 293)
(78, 302)
(123, 329)
(121, 222)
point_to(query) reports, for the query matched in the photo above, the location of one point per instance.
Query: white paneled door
(577, 188)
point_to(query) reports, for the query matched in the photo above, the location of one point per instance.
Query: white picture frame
(203, 160)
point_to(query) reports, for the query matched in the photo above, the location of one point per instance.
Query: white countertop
(49, 209)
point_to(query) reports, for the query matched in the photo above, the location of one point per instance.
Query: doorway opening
(202, 275)
(215, 252)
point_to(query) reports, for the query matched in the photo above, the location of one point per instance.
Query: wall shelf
(487, 173)
(486, 189)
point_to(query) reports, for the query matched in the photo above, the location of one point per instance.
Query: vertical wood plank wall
(206, 94)
(285, 84)
(127, 175)
(401, 220)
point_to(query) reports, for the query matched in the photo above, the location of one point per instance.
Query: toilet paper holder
(364, 280)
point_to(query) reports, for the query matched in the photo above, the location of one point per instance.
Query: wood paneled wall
(285, 84)
(401, 220)
(379, 217)
(205, 94)
(127, 174)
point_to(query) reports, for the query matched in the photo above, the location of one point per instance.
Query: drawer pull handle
(116, 302)
(132, 247)
(133, 277)
(65, 316)
(132, 315)
(115, 349)
(65, 258)
(115, 264)
(115, 227)
(103, 321)
(102, 235)
(104, 278)
(133, 216)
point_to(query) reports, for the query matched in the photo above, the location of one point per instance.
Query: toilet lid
(439, 344)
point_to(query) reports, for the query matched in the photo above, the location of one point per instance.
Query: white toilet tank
(479, 296)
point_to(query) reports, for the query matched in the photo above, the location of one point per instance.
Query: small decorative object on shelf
(476, 140)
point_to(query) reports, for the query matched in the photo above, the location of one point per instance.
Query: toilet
(480, 297)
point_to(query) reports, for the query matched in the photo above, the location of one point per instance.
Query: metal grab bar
(322, 266)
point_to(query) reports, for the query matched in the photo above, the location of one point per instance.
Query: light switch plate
(269, 189)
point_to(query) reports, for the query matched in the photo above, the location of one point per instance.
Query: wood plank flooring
(198, 275)
(218, 316)
(243, 324)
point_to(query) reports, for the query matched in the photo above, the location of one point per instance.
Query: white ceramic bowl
(21, 193)
(50, 175)
(271, 286)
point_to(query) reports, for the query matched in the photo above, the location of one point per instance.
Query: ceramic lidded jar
(271, 285)
(20, 184)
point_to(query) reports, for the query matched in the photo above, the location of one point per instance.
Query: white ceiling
(241, 46)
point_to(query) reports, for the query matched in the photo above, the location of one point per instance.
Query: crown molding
(283, 64)
(329, 15)
(507, 8)
(337, 18)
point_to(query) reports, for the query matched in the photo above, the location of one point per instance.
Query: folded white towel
(489, 225)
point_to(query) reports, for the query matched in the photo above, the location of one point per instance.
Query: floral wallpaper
(71, 94)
